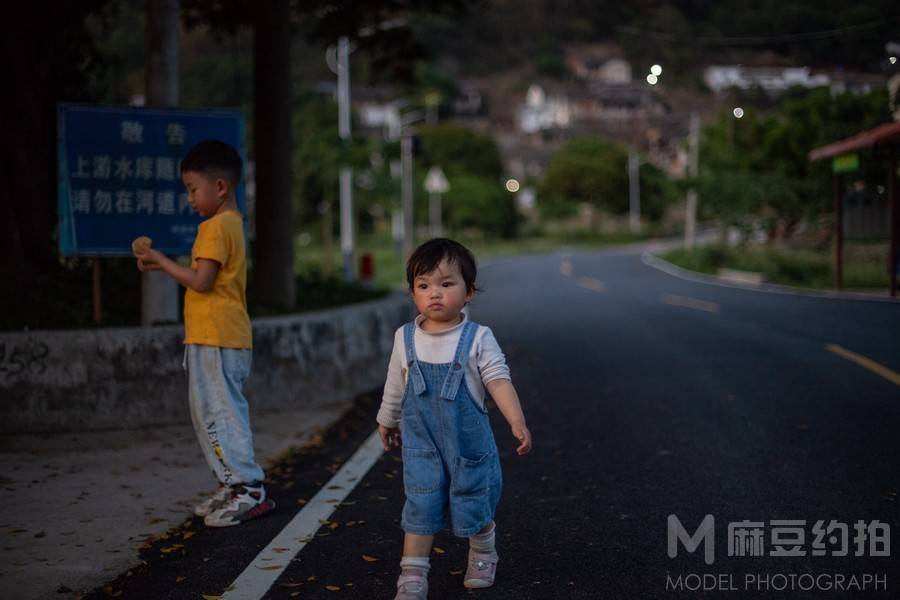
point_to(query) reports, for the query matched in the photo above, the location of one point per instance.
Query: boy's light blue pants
(220, 412)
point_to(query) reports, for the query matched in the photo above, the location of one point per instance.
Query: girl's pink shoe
(412, 585)
(481, 570)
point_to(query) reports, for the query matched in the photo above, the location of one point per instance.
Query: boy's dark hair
(214, 159)
(429, 255)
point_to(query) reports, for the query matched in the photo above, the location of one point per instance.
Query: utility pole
(406, 192)
(159, 292)
(435, 184)
(634, 191)
(346, 172)
(690, 216)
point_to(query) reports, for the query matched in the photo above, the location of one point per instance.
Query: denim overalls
(450, 459)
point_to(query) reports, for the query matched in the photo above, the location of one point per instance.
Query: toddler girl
(433, 406)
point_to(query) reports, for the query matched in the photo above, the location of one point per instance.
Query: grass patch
(864, 267)
(390, 269)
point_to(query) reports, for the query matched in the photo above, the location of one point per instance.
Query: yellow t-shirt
(219, 317)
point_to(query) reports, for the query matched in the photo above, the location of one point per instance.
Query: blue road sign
(120, 176)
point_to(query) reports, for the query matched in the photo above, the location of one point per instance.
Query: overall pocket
(473, 476)
(421, 470)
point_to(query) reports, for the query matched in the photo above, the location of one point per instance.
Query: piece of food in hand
(141, 245)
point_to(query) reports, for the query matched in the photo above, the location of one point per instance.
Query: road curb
(651, 260)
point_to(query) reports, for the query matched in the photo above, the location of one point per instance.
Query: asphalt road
(648, 396)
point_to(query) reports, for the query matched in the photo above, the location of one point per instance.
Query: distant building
(776, 80)
(602, 63)
(469, 101)
(771, 79)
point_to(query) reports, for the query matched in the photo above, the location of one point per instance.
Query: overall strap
(458, 368)
(414, 373)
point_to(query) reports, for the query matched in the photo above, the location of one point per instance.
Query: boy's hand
(390, 437)
(149, 256)
(521, 433)
(143, 267)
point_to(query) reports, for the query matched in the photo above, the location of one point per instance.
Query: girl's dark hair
(214, 158)
(429, 255)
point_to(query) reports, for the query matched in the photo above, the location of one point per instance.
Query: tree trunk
(28, 176)
(274, 249)
(159, 292)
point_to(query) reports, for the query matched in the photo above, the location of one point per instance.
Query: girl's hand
(521, 433)
(390, 437)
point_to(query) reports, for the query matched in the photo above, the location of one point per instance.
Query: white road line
(271, 562)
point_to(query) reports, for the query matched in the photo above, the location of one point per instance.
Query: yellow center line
(592, 284)
(866, 363)
(686, 302)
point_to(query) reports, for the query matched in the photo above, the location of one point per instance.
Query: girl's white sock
(484, 542)
(418, 563)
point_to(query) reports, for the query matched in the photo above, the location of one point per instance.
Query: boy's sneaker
(412, 585)
(219, 497)
(246, 502)
(481, 570)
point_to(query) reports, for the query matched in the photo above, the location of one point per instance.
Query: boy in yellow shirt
(218, 338)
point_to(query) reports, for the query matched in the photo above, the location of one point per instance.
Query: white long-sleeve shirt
(486, 363)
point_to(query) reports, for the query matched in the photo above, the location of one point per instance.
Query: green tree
(755, 170)
(460, 150)
(585, 170)
(480, 203)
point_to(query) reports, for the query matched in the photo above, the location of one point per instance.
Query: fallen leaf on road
(456, 572)
(438, 550)
(295, 594)
(189, 534)
(333, 588)
(291, 585)
(368, 558)
(311, 578)
(208, 597)
(301, 501)
(270, 568)
(180, 578)
(281, 549)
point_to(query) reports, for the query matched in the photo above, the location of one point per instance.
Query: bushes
(800, 268)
